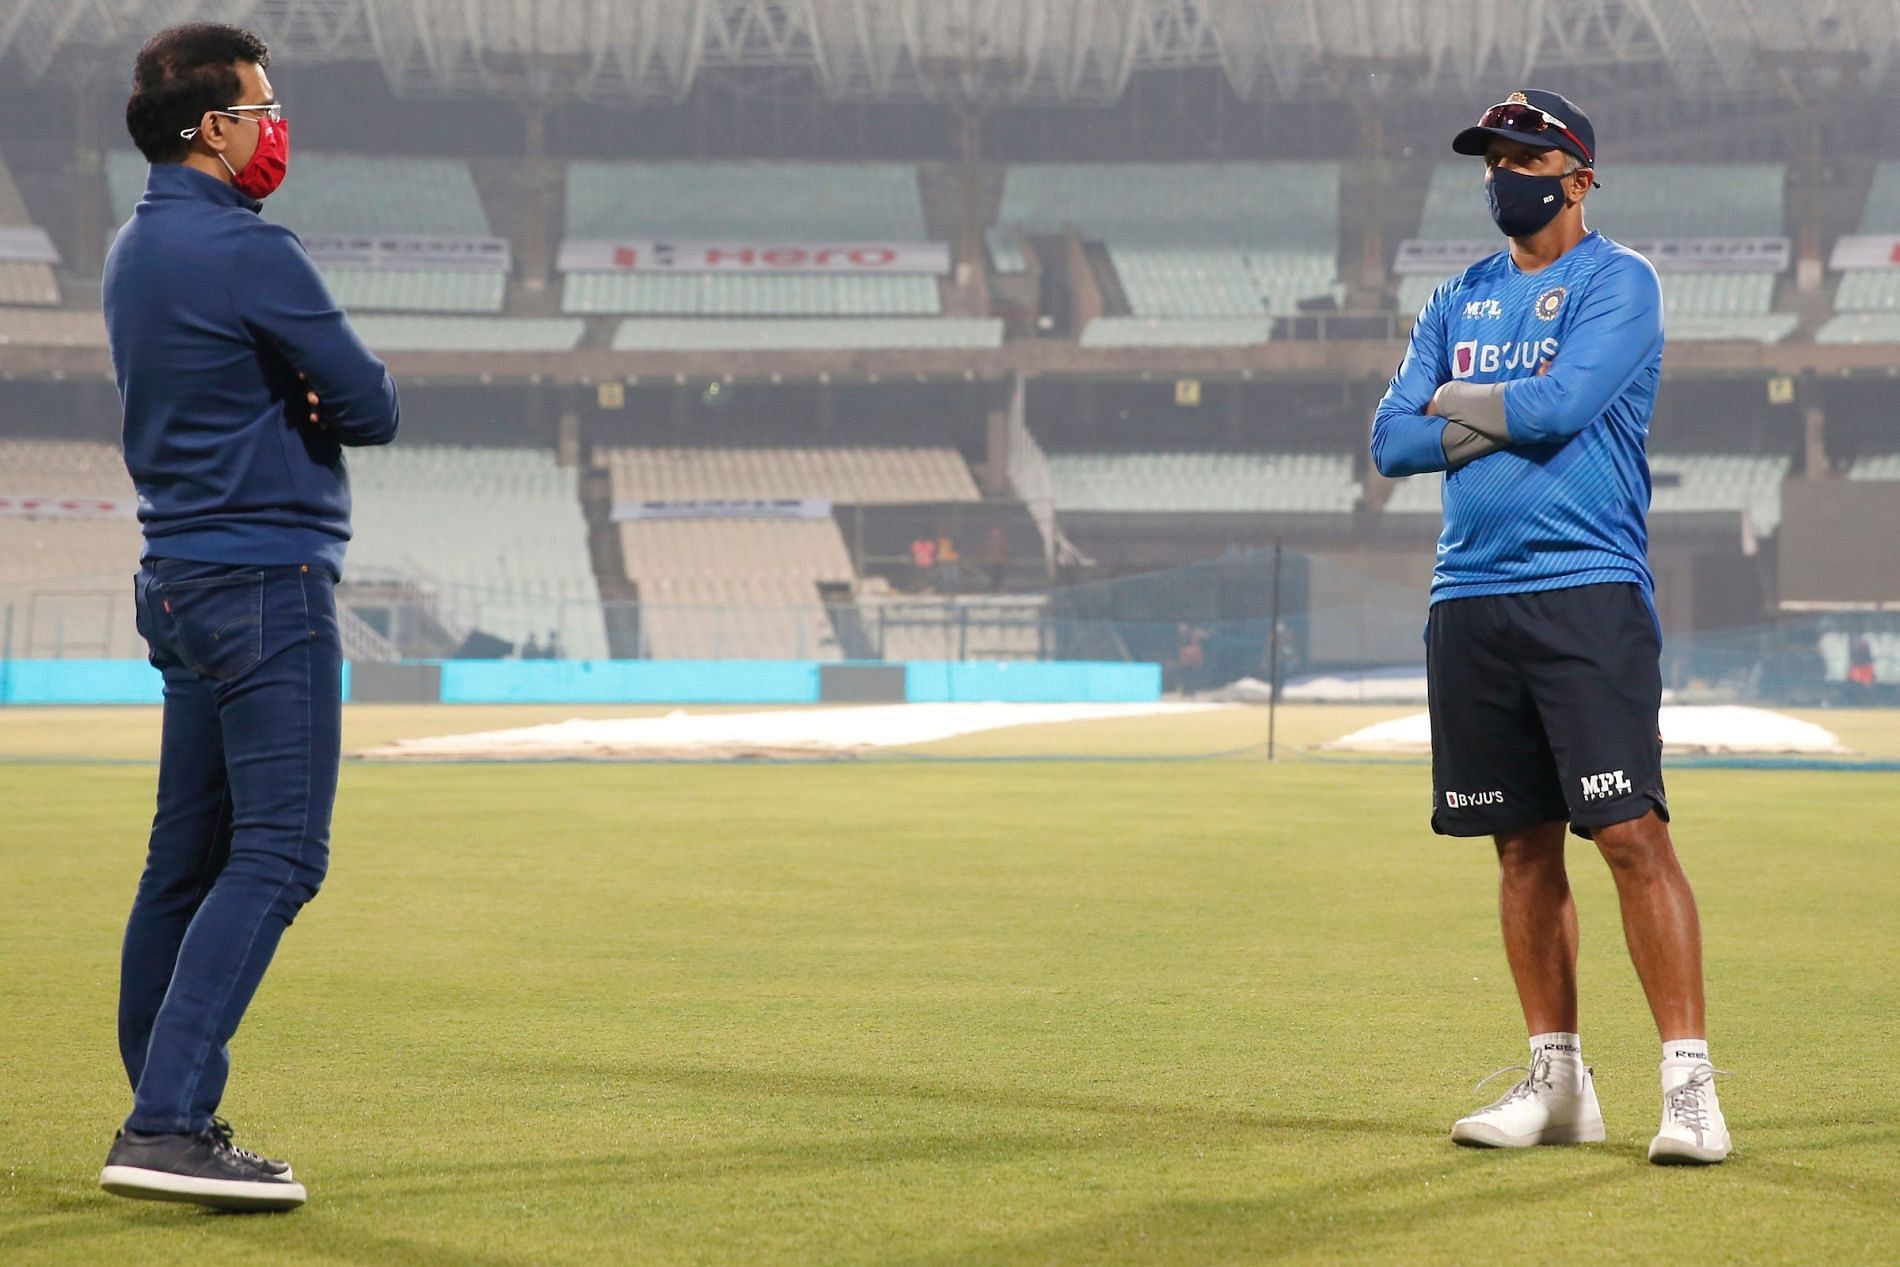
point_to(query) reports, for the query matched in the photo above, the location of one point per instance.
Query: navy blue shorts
(1544, 709)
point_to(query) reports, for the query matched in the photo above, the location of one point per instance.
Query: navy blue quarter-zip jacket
(212, 313)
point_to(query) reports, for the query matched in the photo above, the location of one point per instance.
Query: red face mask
(260, 177)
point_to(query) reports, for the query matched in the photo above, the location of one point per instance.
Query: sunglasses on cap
(1516, 116)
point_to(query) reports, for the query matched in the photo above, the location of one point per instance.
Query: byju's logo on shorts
(1472, 800)
(1609, 783)
(1476, 308)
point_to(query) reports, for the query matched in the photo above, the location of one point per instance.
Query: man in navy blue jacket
(241, 381)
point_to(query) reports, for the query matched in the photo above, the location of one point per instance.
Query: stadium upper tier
(352, 194)
(746, 201)
(846, 475)
(753, 202)
(741, 589)
(793, 334)
(498, 532)
(1187, 239)
(748, 295)
(1189, 483)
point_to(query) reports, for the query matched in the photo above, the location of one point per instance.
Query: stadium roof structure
(1053, 51)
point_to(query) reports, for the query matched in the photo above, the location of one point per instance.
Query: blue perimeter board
(641, 682)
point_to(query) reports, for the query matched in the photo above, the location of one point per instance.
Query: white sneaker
(1693, 1131)
(1535, 1111)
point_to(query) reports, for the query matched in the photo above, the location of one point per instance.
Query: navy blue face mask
(1523, 204)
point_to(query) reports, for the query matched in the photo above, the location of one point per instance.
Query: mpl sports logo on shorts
(1473, 357)
(1609, 783)
(1472, 800)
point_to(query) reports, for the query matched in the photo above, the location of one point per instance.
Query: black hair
(182, 72)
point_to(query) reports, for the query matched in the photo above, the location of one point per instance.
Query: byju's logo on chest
(1475, 357)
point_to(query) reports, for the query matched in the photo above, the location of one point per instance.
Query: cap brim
(1475, 140)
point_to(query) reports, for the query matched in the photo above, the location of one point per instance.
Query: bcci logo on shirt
(1549, 304)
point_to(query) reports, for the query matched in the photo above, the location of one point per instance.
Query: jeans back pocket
(217, 622)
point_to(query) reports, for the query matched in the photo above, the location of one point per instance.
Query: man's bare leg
(1540, 926)
(1659, 921)
(1555, 1103)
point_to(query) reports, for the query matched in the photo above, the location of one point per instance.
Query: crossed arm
(1429, 421)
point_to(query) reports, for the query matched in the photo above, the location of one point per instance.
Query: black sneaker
(281, 1169)
(205, 1169)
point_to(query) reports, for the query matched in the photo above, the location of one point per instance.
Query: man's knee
(1535, 852)
(1635, 844)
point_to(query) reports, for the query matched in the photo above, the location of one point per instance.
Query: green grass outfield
(1129, 1012)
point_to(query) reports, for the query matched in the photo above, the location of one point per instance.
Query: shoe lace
(1535, 1077)
(1688, 1104)
(221, 1132)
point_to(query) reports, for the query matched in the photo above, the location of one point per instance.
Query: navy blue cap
(1571, 131)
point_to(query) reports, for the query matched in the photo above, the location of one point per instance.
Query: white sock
(1565, 1053)
(1685, 1051)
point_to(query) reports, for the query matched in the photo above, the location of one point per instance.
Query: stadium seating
(67, 582)
(744, 589)
(1185, 483)
(1876, 466)
(1702, 483)
(845, 475)
(39, 328)
(1188, 239)
(1869, 290)
(469, 334)
(1882, 212)
(1180, 332)
(22, 282)
(679, 334)
(746, 202)
(745, 295)
(1860, 327)
(498, 532)
(358, 194)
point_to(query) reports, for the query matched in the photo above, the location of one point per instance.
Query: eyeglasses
(1516, 116)
(250, 114)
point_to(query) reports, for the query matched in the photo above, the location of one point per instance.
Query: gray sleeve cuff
(1480, 407)
(1463, 445)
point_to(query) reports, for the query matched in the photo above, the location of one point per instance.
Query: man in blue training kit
(241, 380)
(1530, 380)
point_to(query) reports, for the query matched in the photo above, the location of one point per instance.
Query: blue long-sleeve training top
(1565, 504)
(212, 313)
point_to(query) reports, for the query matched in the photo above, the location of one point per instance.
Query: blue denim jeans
(241, 837)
